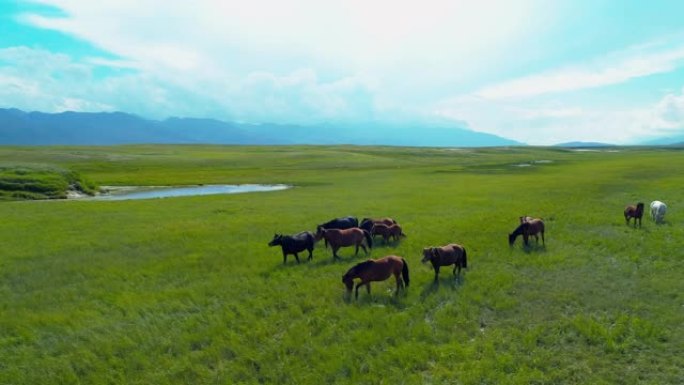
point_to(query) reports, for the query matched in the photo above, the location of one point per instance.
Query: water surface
(118, 193)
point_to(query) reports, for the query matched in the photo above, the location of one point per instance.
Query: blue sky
(540, 72)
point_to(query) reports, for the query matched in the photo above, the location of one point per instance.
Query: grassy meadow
(186, 290)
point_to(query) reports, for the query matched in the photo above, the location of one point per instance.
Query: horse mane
(361, 266)
(521, 227)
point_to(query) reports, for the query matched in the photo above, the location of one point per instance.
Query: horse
(368, 223)
(387, 232)
(658, 210)
(293, 244)
(451, 254)
(635, 212)
(533, 227)
(377, 270)
(346, 237)
(396, 232)
(382, 230)
(339, 223)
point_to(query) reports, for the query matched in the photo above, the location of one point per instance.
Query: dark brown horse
(377, 270)
(347, 237)
(635, 212)
(368, 223)
(387, 232)
(396, 232)
(451, 254)
(381, 229)
(527, 228)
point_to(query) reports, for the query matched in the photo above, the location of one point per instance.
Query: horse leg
(335, 248)
(358, 285)
(543, 241)
(296, 257)
(365, 250)
(400, 283)
(310, 254)
(357, 250)
(284, 257)
(436, 273)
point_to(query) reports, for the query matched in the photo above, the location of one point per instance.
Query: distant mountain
(583, 144)
(106, 128)
(666, 141)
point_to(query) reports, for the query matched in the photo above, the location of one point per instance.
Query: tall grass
(186, 290)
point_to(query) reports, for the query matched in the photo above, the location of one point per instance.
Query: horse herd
(658, 210)
(346, 232)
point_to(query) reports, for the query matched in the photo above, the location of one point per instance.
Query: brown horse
(387, 232)
(451, 254)
(635, 212)
(377, 270)
(533, 227)
(368, 223)
(380, 229)
(396, 232)
(347, 237)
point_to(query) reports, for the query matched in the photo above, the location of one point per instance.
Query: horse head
(427, 254)
(348, 282)
(277, 239)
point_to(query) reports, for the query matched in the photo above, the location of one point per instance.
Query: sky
(540, 72)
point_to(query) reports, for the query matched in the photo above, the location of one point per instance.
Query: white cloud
(612, 69)
(544, 122)
(404, 47)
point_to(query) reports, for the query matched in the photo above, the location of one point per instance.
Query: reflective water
(126, 193)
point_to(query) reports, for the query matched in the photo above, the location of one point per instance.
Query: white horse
(658, 210)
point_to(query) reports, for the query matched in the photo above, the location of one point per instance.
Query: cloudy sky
(540, 72)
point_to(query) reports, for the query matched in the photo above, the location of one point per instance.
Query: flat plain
(186, 290)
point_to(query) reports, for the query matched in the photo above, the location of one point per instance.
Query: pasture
(187, 290)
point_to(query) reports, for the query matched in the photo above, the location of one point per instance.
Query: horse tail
(369, 238)
(405, 272)
(465, 258)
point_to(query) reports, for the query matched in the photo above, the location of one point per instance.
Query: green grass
(39, 181)
(186, 290)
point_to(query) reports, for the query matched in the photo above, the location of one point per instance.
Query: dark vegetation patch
(21, 182)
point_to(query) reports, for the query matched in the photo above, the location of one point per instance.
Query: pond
(118, 193)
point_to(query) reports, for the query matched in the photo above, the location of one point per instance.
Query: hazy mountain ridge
(106, 128)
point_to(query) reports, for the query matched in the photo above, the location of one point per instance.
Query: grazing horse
(396, 232)
(346, 237)
(658, 210)
(387, 232)
(368, 223)
(377, 270)
(293, 244)
(635, 212)
(533, 227)
(451, 254)
(340, 223)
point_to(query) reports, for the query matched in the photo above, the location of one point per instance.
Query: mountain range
(18, 127)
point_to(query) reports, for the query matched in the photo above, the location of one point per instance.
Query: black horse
(293, 244)
(338, 223)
